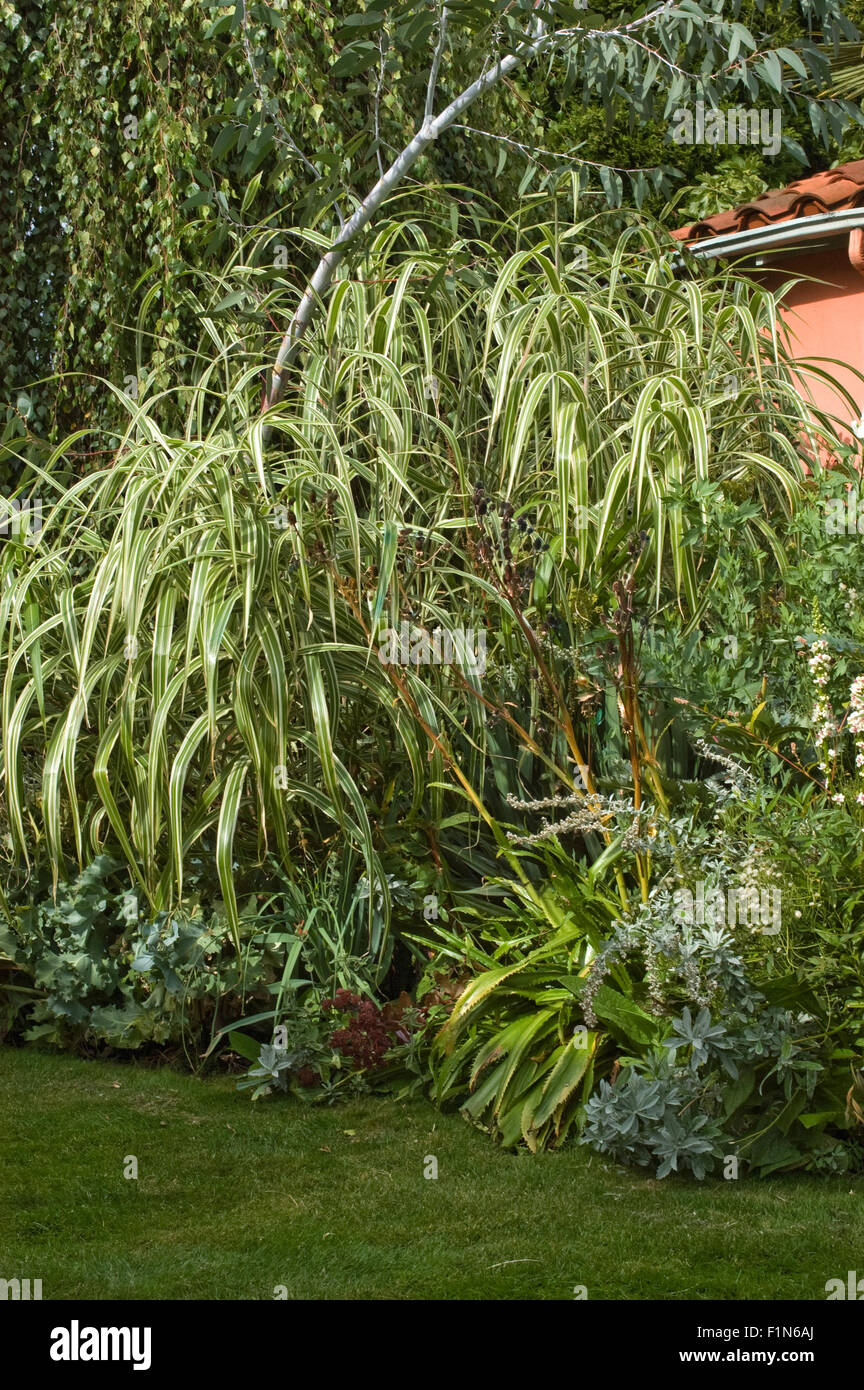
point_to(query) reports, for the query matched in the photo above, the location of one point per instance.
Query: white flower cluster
(737, 774)
(856, 725)
(822, 716)
(757, 876)
(592, 815)
(851, 597)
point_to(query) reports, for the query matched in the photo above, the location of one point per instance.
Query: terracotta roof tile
(828, 191)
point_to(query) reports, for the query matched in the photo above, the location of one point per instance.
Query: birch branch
(424, 137)
(431, 129)
(436, 64)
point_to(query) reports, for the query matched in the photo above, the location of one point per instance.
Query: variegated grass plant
(189, 650)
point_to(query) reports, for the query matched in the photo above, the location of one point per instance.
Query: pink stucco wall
(825, 320)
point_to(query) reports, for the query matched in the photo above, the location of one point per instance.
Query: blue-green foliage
(98, 970)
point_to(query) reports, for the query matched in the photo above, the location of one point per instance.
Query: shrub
(102, 973)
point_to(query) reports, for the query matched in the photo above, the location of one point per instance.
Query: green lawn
(233, 1199)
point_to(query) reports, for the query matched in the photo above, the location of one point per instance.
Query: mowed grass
(233, 1199)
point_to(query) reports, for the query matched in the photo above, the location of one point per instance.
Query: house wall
(825, 320)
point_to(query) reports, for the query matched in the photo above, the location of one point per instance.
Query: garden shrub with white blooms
(699, 1034)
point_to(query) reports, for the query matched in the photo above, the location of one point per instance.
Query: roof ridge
(829, 190)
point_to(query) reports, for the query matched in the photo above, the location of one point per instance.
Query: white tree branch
(534, 151)
(432, 127)
(436, 64)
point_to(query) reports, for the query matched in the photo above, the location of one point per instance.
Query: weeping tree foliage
(137, 140)
(652, 60)
(191, 648)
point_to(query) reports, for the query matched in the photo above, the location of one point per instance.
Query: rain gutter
(791, 234)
